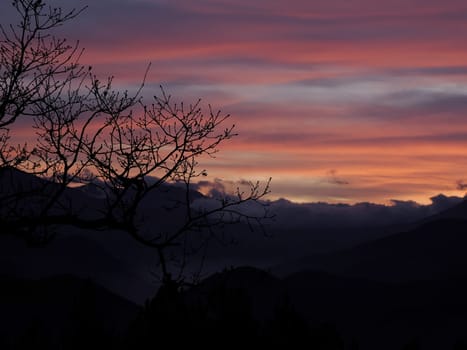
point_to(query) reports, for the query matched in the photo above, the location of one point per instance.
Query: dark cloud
(334, 179)
(432, 139)
(315, 216)
(118, 21)
(413, 106)
(389, 103)
(429, 71)
(321, 215)
(435, 101)
(461, 185)
(317, 139)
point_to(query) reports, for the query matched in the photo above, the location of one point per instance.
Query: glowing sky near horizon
(337, 100)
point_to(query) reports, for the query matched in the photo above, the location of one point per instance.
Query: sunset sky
(336, 100)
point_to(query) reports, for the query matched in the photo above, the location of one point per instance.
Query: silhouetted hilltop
(381, 315)
(236, 307)
(374, 315)
(79, 256)
(433, 250)
(458, 211)
(59, 310)
(261, 289)
(310, 307)
(411, 285)
(15, 178)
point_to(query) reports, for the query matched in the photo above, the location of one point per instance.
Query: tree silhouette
(127, 150)
(225, 321)
(287, 328)
(460, 344)
(412, 345)
(35, 67)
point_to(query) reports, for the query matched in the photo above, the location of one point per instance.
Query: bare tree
(34, 66)
(87, 132)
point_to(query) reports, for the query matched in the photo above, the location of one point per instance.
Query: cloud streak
(375, 89)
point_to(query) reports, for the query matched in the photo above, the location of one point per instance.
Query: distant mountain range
(382, 286)
(434, 248)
